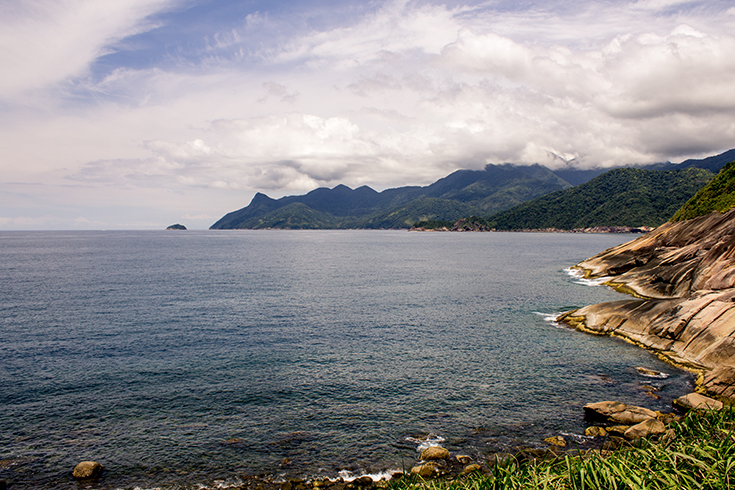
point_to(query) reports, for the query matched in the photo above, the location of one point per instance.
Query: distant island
(176, 227)
(500, 197)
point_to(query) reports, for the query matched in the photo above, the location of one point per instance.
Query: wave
(551, 318)
(578, 278)
(426, 442)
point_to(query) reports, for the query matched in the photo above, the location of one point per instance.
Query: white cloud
(47, 42)
(402, 95)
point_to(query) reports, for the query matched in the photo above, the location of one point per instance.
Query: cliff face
(682, 277)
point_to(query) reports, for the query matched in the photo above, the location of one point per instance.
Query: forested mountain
(718, 195)
(629, 196)
(461, 193)
(621, 197)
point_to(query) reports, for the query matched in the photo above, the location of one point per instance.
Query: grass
(700, 456)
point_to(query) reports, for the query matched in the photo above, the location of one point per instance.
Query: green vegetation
(622, 197)
(461, 193)
(718, 195)
(700, 456)
(626, 197)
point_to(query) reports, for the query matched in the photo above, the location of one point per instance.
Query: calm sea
(179, 359)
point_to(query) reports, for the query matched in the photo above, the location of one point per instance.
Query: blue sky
(135, 114)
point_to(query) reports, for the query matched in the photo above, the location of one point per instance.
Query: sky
(137, 114)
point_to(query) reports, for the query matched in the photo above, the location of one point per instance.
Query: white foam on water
(348, 476)
(579, 278)
(429, 441)
(577, 437)
(550, 318)
(651, 373)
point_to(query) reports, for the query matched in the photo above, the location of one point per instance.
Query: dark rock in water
(176, 227)
(556, 441)
(87, 469)
(595, 431)
(363, 481)
(464, 459)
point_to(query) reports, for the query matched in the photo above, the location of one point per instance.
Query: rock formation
(87, 469)
(682, 277)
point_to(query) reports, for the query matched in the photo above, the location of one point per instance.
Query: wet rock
(363, 481)
(558, 441)
(650, 373)
(696, 401)
(87, 469)
(426, 470)
(324, 483)
(434, 452)
(667, 418)
(471, 468)
(464, 459)
(617, 430)
(618, 412)
(650, 427)
(595, 431)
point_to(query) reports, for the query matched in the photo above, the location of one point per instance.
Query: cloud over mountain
(220, 101)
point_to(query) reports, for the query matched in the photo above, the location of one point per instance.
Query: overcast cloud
(139, 113)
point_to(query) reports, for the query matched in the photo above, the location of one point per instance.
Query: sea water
(191, 359)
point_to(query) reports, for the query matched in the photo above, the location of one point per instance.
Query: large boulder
(434, 452)
(696, 401)
(647, 428)
(426, 470)
(87, 469)
(618, 412)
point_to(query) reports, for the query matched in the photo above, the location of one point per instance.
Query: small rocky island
(176, 227)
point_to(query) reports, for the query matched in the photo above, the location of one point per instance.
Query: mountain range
(486, 193)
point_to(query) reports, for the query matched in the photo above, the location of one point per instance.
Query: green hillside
(622, 197)
(464, 192)
(718, 195)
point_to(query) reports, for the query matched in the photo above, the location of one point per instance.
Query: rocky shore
(681, 277)
(474, 224)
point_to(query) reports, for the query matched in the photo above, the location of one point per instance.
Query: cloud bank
(119, 101)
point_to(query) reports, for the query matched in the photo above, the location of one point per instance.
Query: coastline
(681, 279)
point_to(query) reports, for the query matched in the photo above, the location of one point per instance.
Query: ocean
(192, 359)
